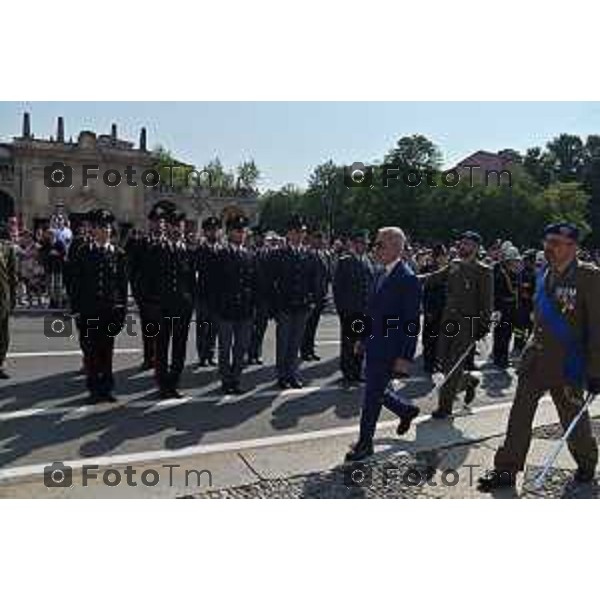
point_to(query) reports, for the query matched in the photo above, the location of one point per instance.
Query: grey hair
(394, 234)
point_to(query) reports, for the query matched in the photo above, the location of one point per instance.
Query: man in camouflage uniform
(465, 319)
(562, 357)
(8, 290)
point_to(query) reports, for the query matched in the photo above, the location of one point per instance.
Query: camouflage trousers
(568, 401)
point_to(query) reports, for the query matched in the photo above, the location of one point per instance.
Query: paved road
(42, 418)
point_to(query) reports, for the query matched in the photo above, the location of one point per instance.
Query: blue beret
(567, 230)
(471, 235)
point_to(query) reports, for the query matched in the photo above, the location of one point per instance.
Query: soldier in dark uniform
(174, 264)
(434, 300)
(206, 322)
(526, 290)
(99, 303)
(233, 277)
(352, 283)
(262, 313)
(562, 357)
(293, 278)
(82, 237)
(323, 260)
(140, 270)
(506, 287)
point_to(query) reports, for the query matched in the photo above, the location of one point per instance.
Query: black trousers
(148, 335)
(206, 332)
(97, 340)
(502, 335)
(173, 332)
(257, 336)
(350, 362)
(307, 346)
(431, 332)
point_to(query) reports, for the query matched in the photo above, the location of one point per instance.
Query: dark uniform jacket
(205, 292)
(293, 279)
(353, 283)
(167, 275)
(99, 280)
(506, 288)
(232, 273)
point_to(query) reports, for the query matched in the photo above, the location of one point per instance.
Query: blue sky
(288, 139)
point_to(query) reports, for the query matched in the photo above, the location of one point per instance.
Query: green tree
(276, 207)
(172, 171)
(247, 176)
(221, 181)
(415, 152)
(567, 156)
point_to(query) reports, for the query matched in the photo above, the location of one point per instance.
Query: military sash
(574, 365)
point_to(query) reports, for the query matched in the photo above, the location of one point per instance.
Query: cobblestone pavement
(406, 476)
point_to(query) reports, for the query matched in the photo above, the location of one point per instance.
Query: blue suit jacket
(397, 296)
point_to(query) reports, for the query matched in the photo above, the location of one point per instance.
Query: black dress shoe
(258, 361)
(347, 383)
(315, 357)
(470, 392)
(108, 398)
(359, 451)
(201, 364)
(165, 394)
(212, 362)
(145, 366)
(584, 475)
(440, 413)
(283, 384)
(406, 420)
(92, 399)
(306, 357)
(4, 374)
(494, 480)
(236, 390)
(296, 383)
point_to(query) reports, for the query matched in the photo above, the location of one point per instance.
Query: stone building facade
(39, 177)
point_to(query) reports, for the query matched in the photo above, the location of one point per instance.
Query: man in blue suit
(390, 348)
